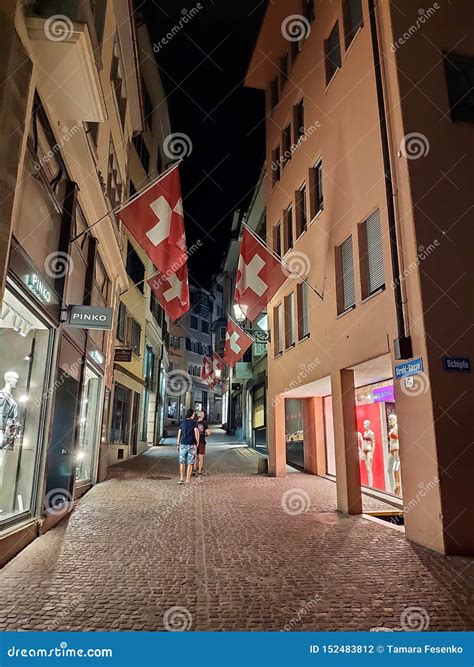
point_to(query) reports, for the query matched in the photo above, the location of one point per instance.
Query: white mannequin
(8, 411)
(394, 455)
(366, 450)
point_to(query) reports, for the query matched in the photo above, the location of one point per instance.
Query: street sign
(89, 317)
(413, 367)
(123, 354)
(457, 364)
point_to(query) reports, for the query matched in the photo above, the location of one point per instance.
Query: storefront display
(88, 426)
(377, 434)
(24, 360)
(294, 432)
(329, 436)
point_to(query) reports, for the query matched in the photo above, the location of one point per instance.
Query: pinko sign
(384, 394)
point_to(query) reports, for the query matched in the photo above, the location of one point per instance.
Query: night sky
(202, 69)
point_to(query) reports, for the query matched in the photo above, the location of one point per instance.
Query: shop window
(135, 267)
(316, 197)
(276, 165)
(303, 311)
(278, 329)
(88, 426)
(345, 286)
(301, 214)
(294, 432)
(298, 120)
(24, 395)
(459, 72)
(371, 255)
(287, 229)
(286, 144)
(135, 336)
(120, 427)
(290, 320)
(332, 53)
(352, 11)
(277, 239)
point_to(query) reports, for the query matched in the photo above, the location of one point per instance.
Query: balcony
(64, 41)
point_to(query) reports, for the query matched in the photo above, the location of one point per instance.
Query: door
(134, 425)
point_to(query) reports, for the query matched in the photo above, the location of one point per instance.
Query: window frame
(289, 321)
(331, 68)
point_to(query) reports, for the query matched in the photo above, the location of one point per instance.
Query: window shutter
(376, 278)
(347, 266)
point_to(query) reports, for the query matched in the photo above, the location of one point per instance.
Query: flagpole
(281, 260)
(139, 283)
(132, 199)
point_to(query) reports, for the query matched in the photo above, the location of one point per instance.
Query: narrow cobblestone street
(141, 552)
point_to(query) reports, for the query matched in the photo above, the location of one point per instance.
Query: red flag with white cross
(172, 292)
(237, 342)
(259, 276)
(155, 219)
(206, 370)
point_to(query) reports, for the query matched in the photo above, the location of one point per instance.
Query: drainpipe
(403, 348)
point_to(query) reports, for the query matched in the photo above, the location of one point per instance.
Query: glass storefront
(25, 356)
(88, 426)
(294, 432)
(258, 418)
(377, 434)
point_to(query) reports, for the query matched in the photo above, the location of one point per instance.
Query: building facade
(364, 104)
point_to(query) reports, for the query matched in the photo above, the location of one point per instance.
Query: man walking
(188, 437)
(201, 448)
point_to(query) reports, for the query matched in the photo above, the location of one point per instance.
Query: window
(332, 53)
(352, 10)
(460, 81)
(277, 239)
(290, 334)
(276, 165)
(204, 326)
(120, 426)
(155, 309)
(147, 105)
(118, 84)
(286, 144)
(316, 189)
(303, 310)
(287, 229)
(92, 131)
(345, 271)
(114, 180)
(135, 336)
(274, 94)
(135, 267)
(301, 214)
(222, 333)
(298, 120)
(122, 323)
(194, 322)
(278, 329)
(142, 151)
(371, 255)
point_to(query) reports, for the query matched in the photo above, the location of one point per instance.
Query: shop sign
(243, 370)
(96, 356)
(90, 317)
(39, 288)
(457, 364)
(383, 394)
(123, 354)
(413, 367)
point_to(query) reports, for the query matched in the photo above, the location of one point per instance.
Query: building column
(349, 497)
(310, 436)
(276, 438)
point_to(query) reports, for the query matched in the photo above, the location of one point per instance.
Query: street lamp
(239, 313)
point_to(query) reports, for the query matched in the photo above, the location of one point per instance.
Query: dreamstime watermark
(423, 253)
(178, 382)
(414, 145)
(61, 651)
(70, 371)
(295, 28)
(177, 619)
(58, 28)
(412, 619)
(284, 157)
(57, 500)
(415, 385)
(305, 370)
(296, 264)
(186, 16)
(423, 490)
(177, 146)
(301, 613)
(162, 278)
(58, 264)
(423, 16)
(295, 501)
(68, 133)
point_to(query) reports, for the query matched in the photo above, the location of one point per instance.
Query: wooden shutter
(376, 277)
(347, 269)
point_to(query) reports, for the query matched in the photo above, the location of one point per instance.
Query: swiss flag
(155, 220)
(259, 276)
(206, 370)
(237, 342)
(172, 292)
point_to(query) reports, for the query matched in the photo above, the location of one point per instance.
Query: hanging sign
(413, 367)
(123, 354)
(90, 317)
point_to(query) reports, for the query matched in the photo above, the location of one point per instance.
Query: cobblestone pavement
(231, 551)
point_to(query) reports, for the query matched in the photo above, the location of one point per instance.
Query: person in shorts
(188, 436)
(201, 448)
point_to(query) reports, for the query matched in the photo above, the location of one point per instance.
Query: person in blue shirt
(188, 437)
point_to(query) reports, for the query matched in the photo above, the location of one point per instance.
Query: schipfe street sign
(89, 317)
(413, 367)
(457, 364)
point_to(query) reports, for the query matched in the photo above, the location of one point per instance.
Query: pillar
(276, 437)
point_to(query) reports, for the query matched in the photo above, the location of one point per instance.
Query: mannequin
(8, 412)
(366, 449)
(394, 455)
